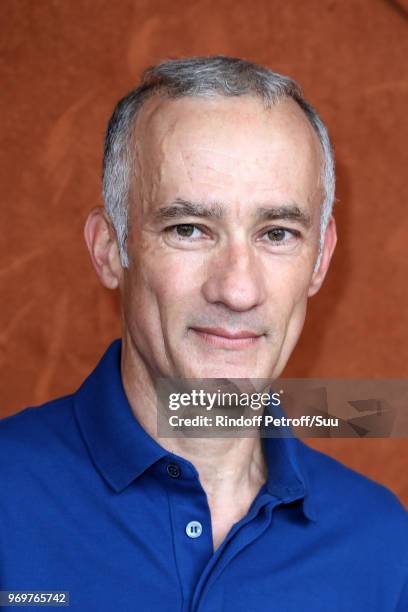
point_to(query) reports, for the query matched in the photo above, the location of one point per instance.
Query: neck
(228, 467)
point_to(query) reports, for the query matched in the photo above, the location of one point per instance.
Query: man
(218, 185)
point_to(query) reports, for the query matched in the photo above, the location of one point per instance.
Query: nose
(235, 278)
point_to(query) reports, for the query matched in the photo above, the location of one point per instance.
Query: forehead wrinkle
(191, 165)
(200, 164)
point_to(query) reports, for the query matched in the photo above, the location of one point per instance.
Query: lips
(223, 338)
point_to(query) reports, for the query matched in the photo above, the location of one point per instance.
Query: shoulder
(361, 520)
(343, 492)
(35, 432)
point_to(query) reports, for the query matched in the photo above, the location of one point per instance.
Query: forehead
(234, 146)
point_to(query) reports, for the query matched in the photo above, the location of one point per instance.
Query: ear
(100, 238)
(330, 240)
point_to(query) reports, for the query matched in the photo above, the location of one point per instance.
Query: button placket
(191, 523)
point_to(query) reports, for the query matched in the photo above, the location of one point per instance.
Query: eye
(277, 234)
(184, 231)
(281, 235)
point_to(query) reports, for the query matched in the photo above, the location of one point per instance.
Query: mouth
(222, 338)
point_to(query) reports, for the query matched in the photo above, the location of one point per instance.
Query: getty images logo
(207, 400)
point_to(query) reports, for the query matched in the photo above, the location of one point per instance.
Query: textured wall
(63, 64)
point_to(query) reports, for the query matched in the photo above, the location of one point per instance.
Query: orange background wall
(63, 64)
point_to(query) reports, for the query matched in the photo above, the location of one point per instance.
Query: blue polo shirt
(91, 504)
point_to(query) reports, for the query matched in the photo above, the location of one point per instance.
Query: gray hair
(201, 77)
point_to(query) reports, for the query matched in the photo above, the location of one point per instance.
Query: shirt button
(194, 529)
(173, 470)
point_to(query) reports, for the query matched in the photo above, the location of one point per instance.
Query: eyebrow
(288, 212)
(183, 208)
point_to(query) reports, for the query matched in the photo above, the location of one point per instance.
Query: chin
(225, 371)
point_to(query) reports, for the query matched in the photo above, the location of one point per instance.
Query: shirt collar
(119, 446)
(122, 450)
(287, 475)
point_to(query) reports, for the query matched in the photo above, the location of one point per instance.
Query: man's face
(224, 221)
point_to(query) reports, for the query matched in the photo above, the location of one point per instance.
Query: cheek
(167, 283)
(287, 290)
